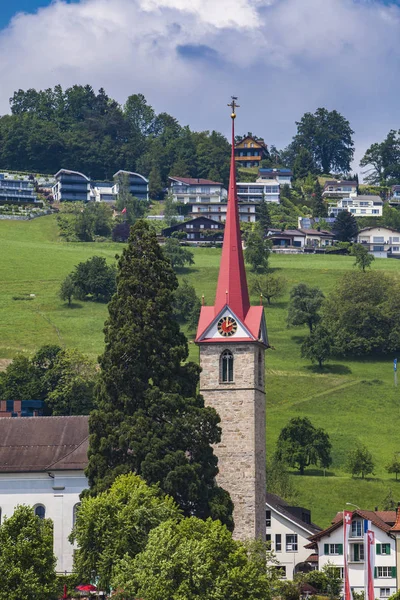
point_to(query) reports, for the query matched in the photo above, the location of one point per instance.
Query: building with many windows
(250, 151)
(256, 191)
(281, 176)
(71, 186)
(191, 190)
(137, 184)
(359, 206)
(380, 241)
(202, 229)
(338, 188)
(288, 529)
(42, 462)
(386, 527)
(16, 191)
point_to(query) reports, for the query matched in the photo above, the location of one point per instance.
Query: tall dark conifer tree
(150, 419)
(318, 208)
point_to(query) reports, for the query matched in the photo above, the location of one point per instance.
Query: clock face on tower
(227, 326)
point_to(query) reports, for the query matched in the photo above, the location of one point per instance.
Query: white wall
(356, 569)
(58, 494)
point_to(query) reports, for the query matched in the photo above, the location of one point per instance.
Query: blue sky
(281, 57)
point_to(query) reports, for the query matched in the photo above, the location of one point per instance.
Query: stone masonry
(241, 452)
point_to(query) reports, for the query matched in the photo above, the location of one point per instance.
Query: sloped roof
(33, 444)
(194, 181)
(384, 520)
(281, 506)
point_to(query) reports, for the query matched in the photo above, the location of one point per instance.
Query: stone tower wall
(241, 452)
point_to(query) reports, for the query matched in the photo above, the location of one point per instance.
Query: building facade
(250, 151)
(380, 241)
(359, 206)
(232, 338)
(16, 191)
(201, 229)
(137, 184)
(339, 188)
(258, 190)
(71, 186)
(288, 529)
(281, 176)
(330, 548)
(191, 190)
(42, 462)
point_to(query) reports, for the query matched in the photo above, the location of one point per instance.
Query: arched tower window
(226, 366)
(260, 368)
(40, 511)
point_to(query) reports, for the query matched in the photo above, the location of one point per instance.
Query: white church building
(42, 462)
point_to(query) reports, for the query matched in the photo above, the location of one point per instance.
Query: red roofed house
(386, 527)
(42, 462)
(232, 337)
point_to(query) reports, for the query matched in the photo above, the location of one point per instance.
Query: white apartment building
(381, 241)
(256, 191)
(329, 544)
(42, 462)
(359, 206)
(217, 211)
(281, 176)
(338, 188)
(190, 190)
(288, 529)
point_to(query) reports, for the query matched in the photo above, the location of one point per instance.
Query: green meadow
(353, 400)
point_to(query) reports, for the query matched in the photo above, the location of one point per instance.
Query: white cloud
(281, 57)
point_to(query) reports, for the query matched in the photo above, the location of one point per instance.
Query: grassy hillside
(353, 400)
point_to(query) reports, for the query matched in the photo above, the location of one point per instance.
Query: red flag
(347, 515)
(123, 211)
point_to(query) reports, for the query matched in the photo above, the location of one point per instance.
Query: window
(226, 362)
(291, 542)
(189, 226)
(356, 528)
(383, 549)
(384, 592)
(395, 248)
(363, 211)
(378, 239)
(75, 513)
(201, 226)
(378, 248)
(268, 539)
(244, 145)
(385, 571)
(252, 145)
(375, 212)
(278, 542)
(40, 511)
(396, 239)
(357, 553)
(333, 549)
(268, 518)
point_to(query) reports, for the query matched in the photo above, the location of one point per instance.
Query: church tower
(232, 337)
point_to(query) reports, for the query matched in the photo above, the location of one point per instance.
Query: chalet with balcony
(250, 151)
(382, 242)
(330, 549)
(339, 188)
(201, 229)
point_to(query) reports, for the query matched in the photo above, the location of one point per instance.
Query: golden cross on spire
(233, 105)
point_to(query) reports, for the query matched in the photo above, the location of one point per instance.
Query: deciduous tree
(177, 254)
(27, 562)
(362, 256)
(94, 279)
(196, 559)
(67, 289)
(304, 304)
(150, 418)
(317, 346)
(257, 250)
(360, 461)
(394, 465)
(269, 286)
(116, 524)
(300, 445)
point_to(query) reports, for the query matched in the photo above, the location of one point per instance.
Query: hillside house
(395, 195)
(282, 176)
(288, 529)
(289, 238)
(359, 206)
(16, 191)
(386, 527)
(42, 462)
(217, 212)
(256, 191)
(318, 238)
(200, 229)
(339, 189)
(190, 190)
(71, 186)
(250, 151)
(380, 241)
(137, 184)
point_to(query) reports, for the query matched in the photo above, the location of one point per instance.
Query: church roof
(34, 444)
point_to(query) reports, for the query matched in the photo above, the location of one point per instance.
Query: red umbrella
(86, 588)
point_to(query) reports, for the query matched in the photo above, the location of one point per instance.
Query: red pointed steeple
(232, 283)
(232, 293)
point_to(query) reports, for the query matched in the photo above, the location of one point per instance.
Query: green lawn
(352, 399)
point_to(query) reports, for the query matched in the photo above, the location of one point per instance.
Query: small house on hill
(289, 238)
(380, 241)
(200, 229)
(250, 151)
